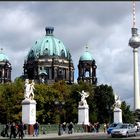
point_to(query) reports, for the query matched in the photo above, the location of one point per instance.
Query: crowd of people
(13, 130)
(95, 127)
(66, 128)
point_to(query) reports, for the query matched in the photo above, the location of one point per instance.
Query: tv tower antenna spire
(134, 14)
(134, 42)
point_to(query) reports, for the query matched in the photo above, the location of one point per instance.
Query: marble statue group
(29, 105)
(84, 95)
(117, 103)
(29, 89)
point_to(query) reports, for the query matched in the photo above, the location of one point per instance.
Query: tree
(100, 101)
(10, 101)
(127, 115)
(104, 99)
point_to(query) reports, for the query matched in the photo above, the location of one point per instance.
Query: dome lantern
(86, 56)
(49, 31)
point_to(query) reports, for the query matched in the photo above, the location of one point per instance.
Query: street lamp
(109, 108)
(59, 105)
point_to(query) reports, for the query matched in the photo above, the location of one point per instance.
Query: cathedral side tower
(5, 68)
(87, 68)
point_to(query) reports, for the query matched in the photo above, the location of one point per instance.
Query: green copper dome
(3, 57)
(86, 56)
(48, 45)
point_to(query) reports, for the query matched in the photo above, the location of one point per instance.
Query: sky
(104, 26)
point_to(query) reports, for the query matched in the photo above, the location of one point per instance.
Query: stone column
(29, 114)
(136, 80)
(83, 115)
(117, 115)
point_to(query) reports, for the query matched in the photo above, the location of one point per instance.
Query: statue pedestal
(83, 115)
(29, 114)
(117, 115)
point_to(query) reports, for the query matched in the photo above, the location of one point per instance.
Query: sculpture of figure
(32, 89)
(117, 103)
(29, 89)
(84, 95)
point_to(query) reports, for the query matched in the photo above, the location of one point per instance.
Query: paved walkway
(54, 135)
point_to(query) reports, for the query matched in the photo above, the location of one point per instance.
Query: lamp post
(109, 108)
(59, 105)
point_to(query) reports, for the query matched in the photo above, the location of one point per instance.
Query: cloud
(104, 26)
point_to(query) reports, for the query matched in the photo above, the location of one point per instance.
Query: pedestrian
(43, 130)
(13, 130)
(20, 130)
(60, 129)
(104, 127)
(24, 129)
(93, 128)
(7, 130)
(3, 132)
(70, 128)
(97, 127)
(36, 129)
(64, 127)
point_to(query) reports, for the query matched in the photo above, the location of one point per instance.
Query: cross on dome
(86, 47)
(1, 49)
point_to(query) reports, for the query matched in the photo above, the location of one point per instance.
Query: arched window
(87, 74)
(46, 51)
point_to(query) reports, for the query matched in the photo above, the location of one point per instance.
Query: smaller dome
(3, 57)
(86, 56)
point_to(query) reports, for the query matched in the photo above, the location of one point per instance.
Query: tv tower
(134, 42)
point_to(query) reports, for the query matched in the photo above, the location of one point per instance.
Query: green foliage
(104, 99)
(10, 101)
(100, 101)
(127, 115)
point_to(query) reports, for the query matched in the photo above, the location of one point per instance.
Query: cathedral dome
(86, 56)
(49, 61)
(3, 57)
(48, 46)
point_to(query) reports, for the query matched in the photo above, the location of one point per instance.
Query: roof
(48, 45)
(3, 57)
(86, 56)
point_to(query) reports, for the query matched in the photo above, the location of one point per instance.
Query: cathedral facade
(49, 61)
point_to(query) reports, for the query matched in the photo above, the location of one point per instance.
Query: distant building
(87, 69)
(5, 68)
(49, 61)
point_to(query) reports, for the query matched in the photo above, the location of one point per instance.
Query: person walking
(36, 129)
(104, 127)
(70, 128)
(13, 130)
(20, 130)
(64, 127)
(97, 127)
(6, 130)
